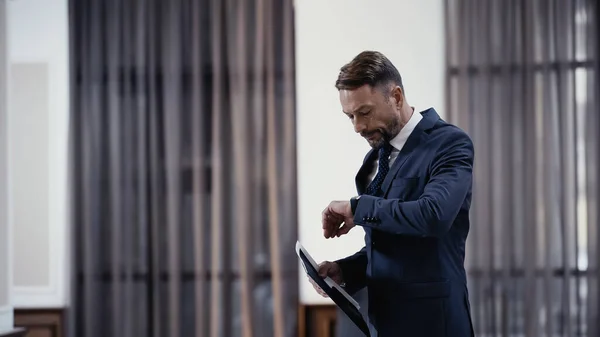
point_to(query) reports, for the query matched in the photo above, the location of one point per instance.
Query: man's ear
(398, 96)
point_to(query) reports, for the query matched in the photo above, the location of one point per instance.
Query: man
(414, 195)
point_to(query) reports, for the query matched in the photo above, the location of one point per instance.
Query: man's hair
(368, 67)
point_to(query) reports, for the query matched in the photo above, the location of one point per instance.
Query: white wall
(328, 35)
(38, 100)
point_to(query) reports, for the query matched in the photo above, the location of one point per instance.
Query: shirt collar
(400, 139)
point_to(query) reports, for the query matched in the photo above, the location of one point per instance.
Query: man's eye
(366, 113)
(350, 116)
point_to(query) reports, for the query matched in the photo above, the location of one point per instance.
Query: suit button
(373, 243)
(365, 219)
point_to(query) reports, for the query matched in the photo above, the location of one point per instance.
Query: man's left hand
(337, 219)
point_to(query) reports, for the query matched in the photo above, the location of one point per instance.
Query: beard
(390, 131)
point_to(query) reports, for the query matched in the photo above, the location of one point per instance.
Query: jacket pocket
(416, 290)
(416, 309)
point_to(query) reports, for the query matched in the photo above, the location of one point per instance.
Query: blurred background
(159, 159)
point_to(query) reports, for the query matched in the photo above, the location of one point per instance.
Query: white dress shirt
(399, 141)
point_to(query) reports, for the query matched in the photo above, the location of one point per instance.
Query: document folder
(337, 294)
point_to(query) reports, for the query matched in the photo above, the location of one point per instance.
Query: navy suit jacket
(415, 232)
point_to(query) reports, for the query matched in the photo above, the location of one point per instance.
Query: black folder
(344, 301)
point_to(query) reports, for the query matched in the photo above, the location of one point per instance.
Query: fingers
(317, 288)
(332, 231)
(324, 269)
(336, 227)
(330, 227)
(343, 230)
(336, 214)
(331, 222)
(325, 222)
(330, 217)
(322, 293)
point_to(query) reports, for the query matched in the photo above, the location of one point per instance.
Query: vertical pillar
(6, 309)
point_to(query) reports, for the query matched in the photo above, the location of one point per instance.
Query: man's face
(374, 112)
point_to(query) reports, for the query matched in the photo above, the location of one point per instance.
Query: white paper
(328, 279)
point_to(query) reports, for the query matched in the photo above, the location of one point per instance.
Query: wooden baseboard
(313, 321)
(41, 322)
(316, 320)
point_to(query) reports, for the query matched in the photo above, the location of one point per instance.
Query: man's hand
(326, 269)
(336, 214)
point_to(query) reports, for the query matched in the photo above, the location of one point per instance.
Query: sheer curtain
(183, 168)
(522, 80)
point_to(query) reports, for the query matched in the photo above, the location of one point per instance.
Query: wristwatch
(354, 203)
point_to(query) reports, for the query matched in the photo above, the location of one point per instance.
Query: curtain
(183, 168)
(522, 81)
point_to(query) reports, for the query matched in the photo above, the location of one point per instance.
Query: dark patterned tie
(382, 169)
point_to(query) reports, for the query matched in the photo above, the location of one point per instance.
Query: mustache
(369, 134)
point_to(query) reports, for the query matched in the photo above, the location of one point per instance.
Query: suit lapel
(363, 173)
(417, 137)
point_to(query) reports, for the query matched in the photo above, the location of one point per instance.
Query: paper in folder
(337, 294)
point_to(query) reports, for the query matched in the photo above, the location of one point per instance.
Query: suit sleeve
(354, 271)
(432, 214)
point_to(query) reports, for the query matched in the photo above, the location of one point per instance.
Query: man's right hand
(326, 269)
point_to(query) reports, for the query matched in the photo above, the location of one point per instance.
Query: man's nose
(359, 127)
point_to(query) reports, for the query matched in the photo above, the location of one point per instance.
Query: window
(521, 81)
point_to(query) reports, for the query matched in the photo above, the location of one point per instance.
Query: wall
(329, 34)
(38, 101)
(6, 317)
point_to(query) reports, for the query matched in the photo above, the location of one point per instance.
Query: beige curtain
(522, 80)
(183, 168)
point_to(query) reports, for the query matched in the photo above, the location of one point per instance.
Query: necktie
(382, 169)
